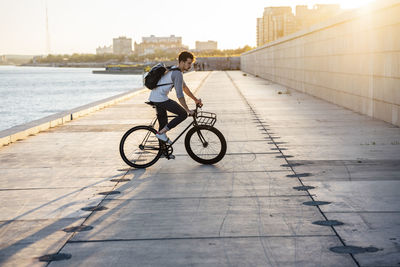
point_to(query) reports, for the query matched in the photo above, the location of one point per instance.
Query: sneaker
(170, 157)
(163, 137)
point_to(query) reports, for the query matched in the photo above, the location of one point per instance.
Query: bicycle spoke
(212, 147)
(140, 147)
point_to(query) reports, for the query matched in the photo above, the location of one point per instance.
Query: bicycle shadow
(138, 178)
(16, 246)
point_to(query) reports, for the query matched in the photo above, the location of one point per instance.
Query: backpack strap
(170, 68)
(158, 85)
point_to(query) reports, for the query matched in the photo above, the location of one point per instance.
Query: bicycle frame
(194, 122)
(134, 153)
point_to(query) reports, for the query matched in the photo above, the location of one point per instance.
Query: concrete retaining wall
(22, 131)
(352, 60)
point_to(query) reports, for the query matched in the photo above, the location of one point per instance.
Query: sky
(80, 26)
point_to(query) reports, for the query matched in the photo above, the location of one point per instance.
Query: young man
(159, 96)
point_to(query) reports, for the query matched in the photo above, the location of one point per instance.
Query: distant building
(122, 46)
(104, 50)
(152, 44)
(206, 46)
(306, 17)
(277, 22)
(260, 32)
(3, 59)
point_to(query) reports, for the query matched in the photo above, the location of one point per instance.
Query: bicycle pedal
(171, 157)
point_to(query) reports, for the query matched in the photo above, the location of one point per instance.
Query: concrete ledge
(24, 130)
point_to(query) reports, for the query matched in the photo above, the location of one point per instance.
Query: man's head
(185, 60)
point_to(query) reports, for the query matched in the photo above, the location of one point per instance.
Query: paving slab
(204, 217)
(372, 229)
(349, 170)
(49, 203)
(55, 177)
(204, 185)
(24, 241)
(232, 163)
(358, 196)
(254, 251)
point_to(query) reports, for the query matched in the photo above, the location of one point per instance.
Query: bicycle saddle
(150, 103)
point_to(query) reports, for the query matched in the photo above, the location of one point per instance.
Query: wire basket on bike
(206, 118)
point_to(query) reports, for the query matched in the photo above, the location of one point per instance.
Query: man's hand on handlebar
(191, 112)
(198, 103)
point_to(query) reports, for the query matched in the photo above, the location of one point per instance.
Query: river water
(31, 93)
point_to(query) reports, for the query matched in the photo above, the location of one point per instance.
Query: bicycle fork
(202, 139)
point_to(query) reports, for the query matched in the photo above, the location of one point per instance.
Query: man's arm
(190, 94)
(180, 85)
(184, 105)
(177, 79)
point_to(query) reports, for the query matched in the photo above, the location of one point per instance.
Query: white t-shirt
(172, 79)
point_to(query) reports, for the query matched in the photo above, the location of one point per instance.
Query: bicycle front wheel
(205, 144)
(139, 147)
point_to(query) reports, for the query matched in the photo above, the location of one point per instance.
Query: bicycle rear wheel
(139, 147)
(205, 144)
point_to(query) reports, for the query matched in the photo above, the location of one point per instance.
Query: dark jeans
(172, 107)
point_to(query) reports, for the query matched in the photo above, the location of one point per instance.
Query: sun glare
(347, 4)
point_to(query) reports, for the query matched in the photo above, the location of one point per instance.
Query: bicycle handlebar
(195, 110)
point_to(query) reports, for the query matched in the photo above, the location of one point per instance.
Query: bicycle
(140, 148)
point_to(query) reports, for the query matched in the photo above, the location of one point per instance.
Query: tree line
(157, 55)
(225, 53)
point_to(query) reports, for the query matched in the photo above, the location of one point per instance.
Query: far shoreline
(50, 66)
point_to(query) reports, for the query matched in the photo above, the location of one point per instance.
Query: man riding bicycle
(159, 96)
(139, 146)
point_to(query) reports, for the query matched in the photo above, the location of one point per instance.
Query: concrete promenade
(247, 210)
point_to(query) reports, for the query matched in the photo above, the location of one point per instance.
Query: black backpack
(154, 75)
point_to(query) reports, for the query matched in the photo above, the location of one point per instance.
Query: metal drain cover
(316, 203)
(353, 249)
(282, 157)
(94, 208)
(80, 228)
(306, 174)
(275, 148)
(292, 165)
(120, 180)
(55, 257)
(303, 188)
(109, 193)
(328, 223)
